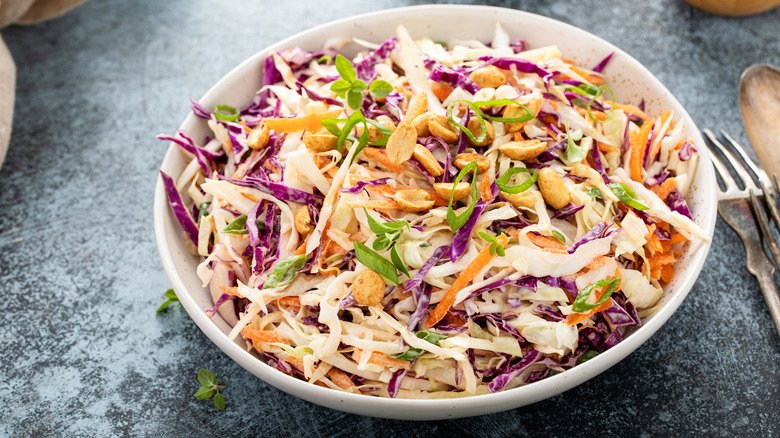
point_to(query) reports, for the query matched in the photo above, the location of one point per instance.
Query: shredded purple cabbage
(431, 262)
(462, 236)
(184, 218)
(676, 202)
(422, 297)
(658, 179)
(500, 382)
(597, 164)
(686, 151)
(601, 65)
(395, 382)
(567, 212)
(444, 74)
(280, 191)
(361, 184)
(366, 69)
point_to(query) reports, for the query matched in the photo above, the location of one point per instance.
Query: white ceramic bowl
(627, 77)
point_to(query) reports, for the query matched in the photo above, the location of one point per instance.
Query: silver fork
(734, 206)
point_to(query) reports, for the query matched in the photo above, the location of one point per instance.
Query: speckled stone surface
(85, 354)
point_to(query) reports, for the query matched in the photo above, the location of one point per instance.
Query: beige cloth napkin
(20, 12)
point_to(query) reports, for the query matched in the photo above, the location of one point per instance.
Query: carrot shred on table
(638, 145)
(312, 122)
(480, 261)
(379, 155)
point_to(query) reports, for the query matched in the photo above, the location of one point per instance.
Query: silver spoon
(759, 100)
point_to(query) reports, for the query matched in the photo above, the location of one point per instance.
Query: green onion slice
(226, 113)
(580, 305)
(559, 236)
(455, 221)
(375, 262)
(398, 261)
(479, 115)
(409, 355)
(285, 271)
(504, 102)
(502, 181)
(611, 107)
(627, 195)
(429, 336)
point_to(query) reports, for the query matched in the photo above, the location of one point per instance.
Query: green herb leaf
(409, 355)
(381, 243)
(171, 298)
(238, 226)
(627, 195)
(502, 181)
(285, 271)
(455, 221)
(580, 305)
(430, 336)
(340, 87)
(370, 259)
(398, 261)
(425, 244)
(586, 356)
(345, 68)
(495, 246)
(559, 236)
(599, 92)
(574, 153)
(207, 378)
(354, 99)
(204, 392)
(504, 102)
(219, 401)
(594, 193)
(226, 113)
(380, 88)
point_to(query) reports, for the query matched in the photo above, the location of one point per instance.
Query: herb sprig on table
(210, 387)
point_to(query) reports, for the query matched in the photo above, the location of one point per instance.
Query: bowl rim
(437, 408)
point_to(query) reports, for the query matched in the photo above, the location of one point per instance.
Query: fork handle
(767, 282)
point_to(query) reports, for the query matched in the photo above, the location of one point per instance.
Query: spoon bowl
(759, 101)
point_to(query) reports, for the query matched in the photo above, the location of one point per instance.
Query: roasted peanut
(428, 161)
(374, 133)
(444, 190)
(523, 150)
(520, 200)
(414, 200)
(488, 77)
(303, 220)
(554, 191)
(400, 145)
(322, 141)
(441, 127)
(368, 288)
(534, 104)
(462, 160)
(417, 106)
(387, 122)
(258, 138)
(421, 123)
(476, 130)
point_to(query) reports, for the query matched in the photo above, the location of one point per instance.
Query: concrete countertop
(85, 354)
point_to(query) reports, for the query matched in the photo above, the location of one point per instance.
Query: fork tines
(750, 191)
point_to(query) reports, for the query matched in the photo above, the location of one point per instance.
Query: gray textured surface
(83, 352)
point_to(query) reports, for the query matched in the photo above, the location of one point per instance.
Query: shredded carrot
(301, 249)
(230, 290)
(638, 146)
(667, 273)
(480, 261)
(631, 109)
(546, 243)
(312, 122)
(678, 238)
(386, 361)
(590, 77)
(340, 378)
(441, 91)
(657, 263)
(380, 156)
(663, 189)
(453, 320)
(652, 240)
(598, 261)
(288, 302)
(263, 336)
(484, 188)
(294, 362)
(576, 318)
(604, 147)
